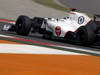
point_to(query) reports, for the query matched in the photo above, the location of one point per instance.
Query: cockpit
(71, 16)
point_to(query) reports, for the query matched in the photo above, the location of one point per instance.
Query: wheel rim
(20, 23)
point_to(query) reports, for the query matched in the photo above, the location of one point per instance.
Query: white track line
(30, 49)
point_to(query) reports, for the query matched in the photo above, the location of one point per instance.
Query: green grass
(52, 4)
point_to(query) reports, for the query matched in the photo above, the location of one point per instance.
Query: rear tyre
(86, 36)
(23, 25)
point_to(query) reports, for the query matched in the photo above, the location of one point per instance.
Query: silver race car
(74, 26)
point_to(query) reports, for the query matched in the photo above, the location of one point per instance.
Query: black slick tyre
(86, 35)
(47, 35)
(70, 36)
(23, 25)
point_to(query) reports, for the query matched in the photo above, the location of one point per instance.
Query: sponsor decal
(58, 31)
(6, 27)
(81, 20)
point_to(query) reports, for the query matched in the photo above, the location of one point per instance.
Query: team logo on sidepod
(58, 30)
(81, 20)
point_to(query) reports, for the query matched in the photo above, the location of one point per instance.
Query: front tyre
(23, 25)
(70, 36)
(47, 35)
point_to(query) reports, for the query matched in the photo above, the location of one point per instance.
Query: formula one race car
(74, 26)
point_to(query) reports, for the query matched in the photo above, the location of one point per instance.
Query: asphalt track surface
(11, 9)
(88, 6)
